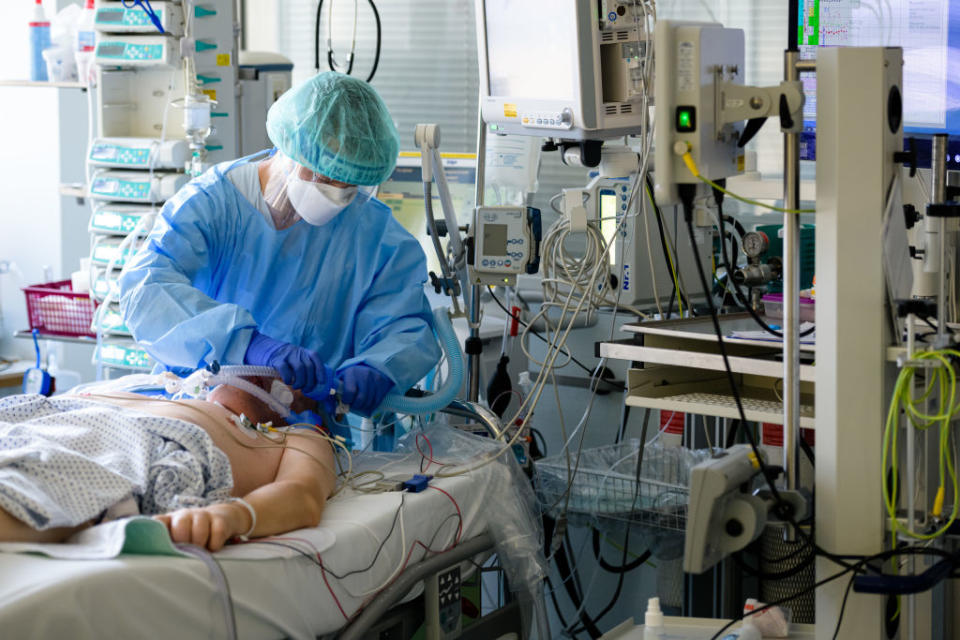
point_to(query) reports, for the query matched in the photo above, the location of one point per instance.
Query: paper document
(765, 336)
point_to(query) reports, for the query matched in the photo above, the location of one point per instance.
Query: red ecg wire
(323, 572)
(413, 546)
(424, 456)
(459, 514)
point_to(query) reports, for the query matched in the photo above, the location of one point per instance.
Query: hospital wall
(44, 138)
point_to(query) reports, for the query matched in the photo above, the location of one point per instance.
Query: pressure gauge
(755, 244)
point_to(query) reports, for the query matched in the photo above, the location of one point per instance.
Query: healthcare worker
(284, 259)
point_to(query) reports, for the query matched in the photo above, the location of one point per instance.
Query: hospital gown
(214, 269)
(66, 460)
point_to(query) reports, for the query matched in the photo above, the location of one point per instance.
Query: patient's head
(239, 401)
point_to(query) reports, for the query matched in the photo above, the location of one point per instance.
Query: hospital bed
(279, 587)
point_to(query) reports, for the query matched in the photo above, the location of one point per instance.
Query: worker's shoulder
(377, 211)
(207, 188)
(377, 217)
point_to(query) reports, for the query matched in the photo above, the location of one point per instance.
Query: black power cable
(858, 566)
(624, 568)
(626, 540)
(567, 573)
(666, 251)
(732, 430)
(743, 300)
(686, 192)
(590, 623)
(600, 378)
(808, 451)
(330, 61)
(556, 605)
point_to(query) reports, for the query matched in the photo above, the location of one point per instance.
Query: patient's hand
(209, 527)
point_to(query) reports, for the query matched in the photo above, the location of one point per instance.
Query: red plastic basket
(55, 308)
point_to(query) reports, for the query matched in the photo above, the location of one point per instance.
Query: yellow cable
(945, 377)
(692, 168)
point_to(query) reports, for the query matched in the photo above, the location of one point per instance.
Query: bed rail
(478, 412)
(356, 629)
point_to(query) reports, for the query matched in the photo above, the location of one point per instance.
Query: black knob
(733, 528)
(908, 158)
(910, 215)
(441, 228)
(435, 281)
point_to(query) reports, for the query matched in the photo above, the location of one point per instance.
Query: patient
(68, 461)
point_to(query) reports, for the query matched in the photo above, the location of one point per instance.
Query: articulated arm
(736, 103)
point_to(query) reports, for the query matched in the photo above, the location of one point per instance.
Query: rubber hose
(451, 387)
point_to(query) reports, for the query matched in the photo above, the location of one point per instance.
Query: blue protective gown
(214, 269)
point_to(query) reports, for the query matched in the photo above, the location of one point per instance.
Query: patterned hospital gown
(66, 460)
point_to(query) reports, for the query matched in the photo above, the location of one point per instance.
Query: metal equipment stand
(791, 292)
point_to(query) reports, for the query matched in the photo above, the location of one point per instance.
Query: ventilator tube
(254, 390)
(451, 387)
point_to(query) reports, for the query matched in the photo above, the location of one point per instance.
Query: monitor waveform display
(928, 31)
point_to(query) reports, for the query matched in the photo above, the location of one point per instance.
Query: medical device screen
(608, 220)
(927, 30)
(495, 239)
(403, 193)
(529, 51)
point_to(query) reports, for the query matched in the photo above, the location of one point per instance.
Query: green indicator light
(686, 121)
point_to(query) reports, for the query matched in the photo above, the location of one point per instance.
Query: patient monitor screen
(927, 30)
(403, 193)
(531, 48)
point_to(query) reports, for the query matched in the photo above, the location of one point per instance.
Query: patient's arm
(14, 530)
(294, 499)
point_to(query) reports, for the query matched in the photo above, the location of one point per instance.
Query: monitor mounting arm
(736, 102)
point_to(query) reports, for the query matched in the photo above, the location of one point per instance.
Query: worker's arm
(178, 324)
(394, 325)
(295, 499)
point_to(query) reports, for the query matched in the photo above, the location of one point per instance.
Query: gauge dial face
(755, 244)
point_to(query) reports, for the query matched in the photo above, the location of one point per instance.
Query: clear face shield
(294, 191)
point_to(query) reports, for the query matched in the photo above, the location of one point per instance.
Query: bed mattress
(300, 596)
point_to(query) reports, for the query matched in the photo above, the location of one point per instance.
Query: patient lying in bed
(67, 461)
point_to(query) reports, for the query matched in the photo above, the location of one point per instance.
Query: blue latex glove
(299, 367)
(362, 388)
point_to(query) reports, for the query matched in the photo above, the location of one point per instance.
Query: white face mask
(317, 202)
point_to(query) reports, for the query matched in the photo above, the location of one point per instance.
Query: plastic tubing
(451, 387)
(253, 390)
(247, 371)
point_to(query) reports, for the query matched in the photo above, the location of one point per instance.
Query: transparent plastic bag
(513, 516)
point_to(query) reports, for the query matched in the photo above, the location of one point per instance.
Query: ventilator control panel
(506, 243)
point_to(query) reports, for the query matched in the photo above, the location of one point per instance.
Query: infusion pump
(505, 242)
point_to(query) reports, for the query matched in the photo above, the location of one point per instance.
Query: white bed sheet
(165, 596)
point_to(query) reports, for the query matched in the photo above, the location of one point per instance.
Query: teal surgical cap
(337, 126)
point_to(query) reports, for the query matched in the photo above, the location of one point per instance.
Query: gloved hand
(362, 388)
(299, 367)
